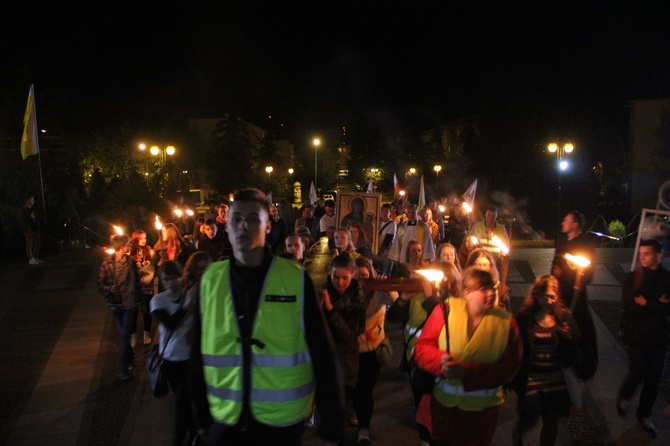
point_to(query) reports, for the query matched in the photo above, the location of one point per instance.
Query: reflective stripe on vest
(487, 345)
(458, 390)
(281, 370)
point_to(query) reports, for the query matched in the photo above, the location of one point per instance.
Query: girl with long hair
(359, 238)
(143, 255)
(550, 337)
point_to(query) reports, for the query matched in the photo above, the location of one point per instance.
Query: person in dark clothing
(577, 244)
(246, 392)
(344, 304)
(215, 243)
(31, 229)
(644, 299)
(549, 336)
(119, 283)
(275, 237)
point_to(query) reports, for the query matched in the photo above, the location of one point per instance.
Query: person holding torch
(571, 266)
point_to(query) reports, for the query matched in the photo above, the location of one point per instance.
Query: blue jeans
(126, 320)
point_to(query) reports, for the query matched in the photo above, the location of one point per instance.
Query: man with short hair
(387, 230)
(574, 242)
(309, 221)
(261, 350)
(211, 213)
(294, 245)
(438, 217)
(214, 243)
(412, 229)
(644, 299)
(488, 228)
(328, 219)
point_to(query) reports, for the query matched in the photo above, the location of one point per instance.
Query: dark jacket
(347, 320)
(216, 247)
(646, 325)
(568, 350)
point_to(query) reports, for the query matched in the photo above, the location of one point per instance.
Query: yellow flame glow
(178, 212)
(578, 260)
(499, 243)
(433, 275)
(158, 223)
(109, 251)
(467, 207)
(118, 229)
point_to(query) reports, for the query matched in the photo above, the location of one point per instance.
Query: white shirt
(179, 347)
(389, 228)
(326, 222)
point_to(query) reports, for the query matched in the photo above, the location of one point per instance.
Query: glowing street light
(290, 171)
(269, 170)
(437, 168)
(562, 165)
(316, 143)
(412, 170)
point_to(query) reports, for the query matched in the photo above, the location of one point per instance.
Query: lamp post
(317, 143)
(269, 170)
(163, 153)
(143, 147)
(290, 171)
(561, 165)
(437, 168)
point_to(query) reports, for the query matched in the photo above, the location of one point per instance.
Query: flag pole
(44, 205)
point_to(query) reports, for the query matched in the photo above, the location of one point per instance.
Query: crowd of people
(254, 353)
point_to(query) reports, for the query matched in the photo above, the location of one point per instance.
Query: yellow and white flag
(30, 144)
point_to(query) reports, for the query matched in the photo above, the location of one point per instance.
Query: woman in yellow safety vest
(477, 351)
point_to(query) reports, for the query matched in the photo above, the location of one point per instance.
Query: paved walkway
(59, 351)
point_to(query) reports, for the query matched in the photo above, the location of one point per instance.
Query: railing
(86, 236)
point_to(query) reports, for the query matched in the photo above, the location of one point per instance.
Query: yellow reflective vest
(417, 316)
(487, 345)
(282, 375)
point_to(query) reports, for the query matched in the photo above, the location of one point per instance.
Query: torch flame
(158, 223)
(118, 229)
(580, 261)
(109, 251)
(499, 243)
(432, 275)
(467, 207)
(189, 212)
(474, 241)
(177, 212)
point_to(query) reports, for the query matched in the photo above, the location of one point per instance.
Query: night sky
(316, 65)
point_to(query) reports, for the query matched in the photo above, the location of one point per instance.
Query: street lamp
(562, 165)
(290, 170)
(143, 147)
(412, 170)
(163, 153)
(317, 143)
(437, 169)
(269, 170)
